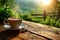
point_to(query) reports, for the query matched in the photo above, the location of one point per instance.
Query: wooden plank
(16, 35)
(37, 14)
(2, 28)
(44, 30)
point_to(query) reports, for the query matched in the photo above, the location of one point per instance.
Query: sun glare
(46, 2)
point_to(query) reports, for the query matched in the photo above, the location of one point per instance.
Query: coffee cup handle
(5, 21)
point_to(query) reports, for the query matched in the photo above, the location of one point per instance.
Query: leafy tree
(5, 9)
(4, 13)
(10, 3)
(57, 9)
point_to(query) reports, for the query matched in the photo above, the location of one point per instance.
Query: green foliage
(26, 17)
(57, 23)
(36, 20)
(4, 12)
(7, 2)
(49, 21)
(14, 15)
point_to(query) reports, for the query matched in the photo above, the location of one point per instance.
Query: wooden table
(16, 35)
(34, 27)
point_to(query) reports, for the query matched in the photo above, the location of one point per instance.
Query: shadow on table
(9, 34)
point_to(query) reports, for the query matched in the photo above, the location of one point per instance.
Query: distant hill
(29, 5)
(26, 5)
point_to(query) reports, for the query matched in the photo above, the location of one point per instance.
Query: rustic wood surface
(35, 32)
(44, 30)
(16, 35)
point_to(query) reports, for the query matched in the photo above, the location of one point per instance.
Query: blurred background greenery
(31, 10)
